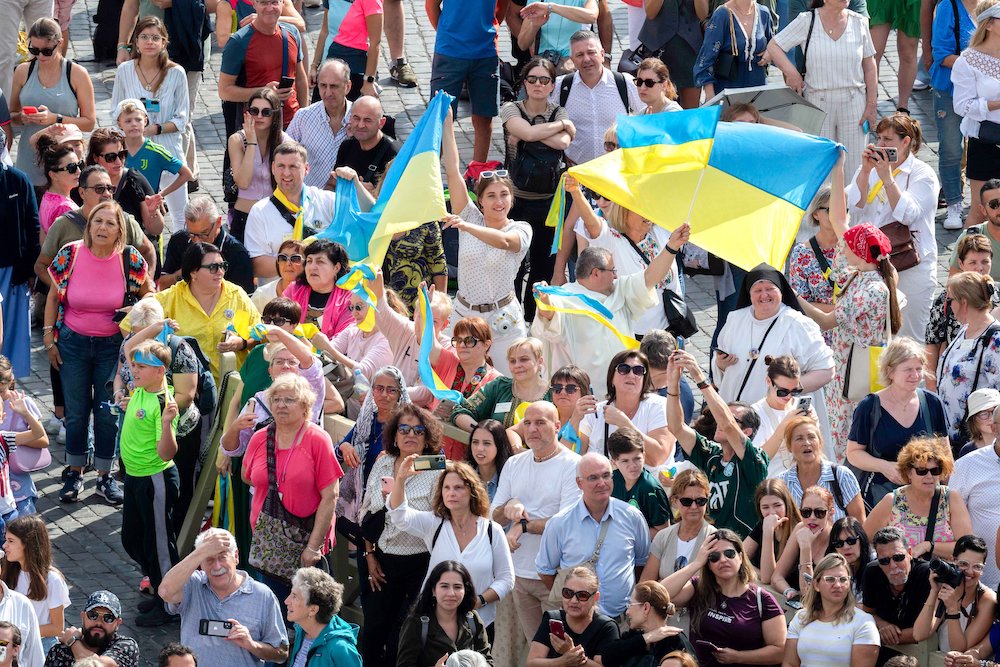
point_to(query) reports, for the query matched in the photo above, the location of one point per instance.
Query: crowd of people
(832, 502)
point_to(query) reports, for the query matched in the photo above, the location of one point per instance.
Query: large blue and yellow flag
(412, 193)
(743, 187)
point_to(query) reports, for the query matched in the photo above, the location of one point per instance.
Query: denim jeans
(949, 146)
(87, 364)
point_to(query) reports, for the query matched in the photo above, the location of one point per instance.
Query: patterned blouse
(419, 492)
(943, 326)
(415, 257)
(805, 275)
(914, 526)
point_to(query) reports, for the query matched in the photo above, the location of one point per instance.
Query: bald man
(368, 150)
(534, 486)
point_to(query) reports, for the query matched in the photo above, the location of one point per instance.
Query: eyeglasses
(275, 321)
(936, 471)
(612, 270)
(984, 415)
(383, 389)
(72, 167)
(284, 401)
(966, 565)
(582, 596)
(263, 112)
(106, 617)
(499, 173)
(47, 51)
(610, 146)
(716, 556)
(202, 235)
(558, 388)
(896, 558)
(101, 189)
(591, 479)
(150, 37)
(287, 362)
(850, 541)
(544, 80)
(625, 369)
(687, 502)
(464, 341)
(993, 204)
(782, 392)
(406, 429)
(357, 308)
(216, 267)
(649, 83)
(294, 259)
(114, 157)
(807, 512)
(831, 579)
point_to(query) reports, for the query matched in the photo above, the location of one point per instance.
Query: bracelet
(253, 144)
(786, 592)
(952, 617)
(669, 393)
(45, 329)
(671, 250)
(246, 343)
(802, 565)
(159, 129)
(482, 601)
(124, 47)
(315, 551)
(703, 384)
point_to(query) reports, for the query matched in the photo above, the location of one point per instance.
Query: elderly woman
(631, 403)
(649, 632)
(807, 545)
(922, 464)
(131, 189)
(810, 265)
(830, 629)
(900, 198)
(972, 359)
(491, 249)
(768, 322)
(848, 538)
(82, 338)
(323, 303)
(734, 52)
(718, 586)
(459, 529)
(888, 419)
(327, 639)
(982, 429)
(289, 265)
(395, 559)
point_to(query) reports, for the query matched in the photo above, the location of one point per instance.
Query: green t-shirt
(646, 495)
(140, 433)
(980, 229)
(732, 485)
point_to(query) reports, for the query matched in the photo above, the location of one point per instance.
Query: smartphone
(251, 405)
(556, 628)
(447, 405)
(29, 109)
(805, 402)
(431, 462)
(152, 105)
(286, 82)
(387, 483)
(719, 350)
(709, 645)
(211, 628)
(793, 604)
(3, 652)
(890, 153)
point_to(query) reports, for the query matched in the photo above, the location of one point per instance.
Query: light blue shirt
(570, 538)
(849, 487)
(557, 30)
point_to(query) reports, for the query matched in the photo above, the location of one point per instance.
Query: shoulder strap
(437, 533)
(552, 116)
(600, 543)
(372, 169)
(932, 516)
(470, 620)
(838, 494)
(489, 532)
(520, 110)
(31, 68)
(760, 606)
(809, 36)
(924, 411)
(876, 414)
(824, 264)
(425, 623)
(564, 87)
(69, 76)
(958, 36)
(287, 215)
(753, 362)
(622, 90)
(983, 342)
(284, 50)
(642, 255)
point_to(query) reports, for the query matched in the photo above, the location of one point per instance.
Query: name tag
(503, 408)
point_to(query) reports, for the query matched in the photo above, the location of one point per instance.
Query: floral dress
(943, 327)
(956, 373)
(805, 275)
(861, 309)
(913, 525)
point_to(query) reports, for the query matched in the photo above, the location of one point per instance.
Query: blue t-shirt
(336, 10)
(557, 30)
(152, 160)
(943, 41)
(467, 29)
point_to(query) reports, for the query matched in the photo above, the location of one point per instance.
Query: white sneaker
(954, 219)
(919, 85)
(61, 437)
(52, 425)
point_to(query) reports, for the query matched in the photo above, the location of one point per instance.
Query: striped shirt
(831, 63)
(849, 487)
(311, 128)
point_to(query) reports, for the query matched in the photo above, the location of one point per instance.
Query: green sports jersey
(141, 431)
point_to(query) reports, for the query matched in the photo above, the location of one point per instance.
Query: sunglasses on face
(101, 189)
(47, 51)
(896, 558)
(464, 341)
(649, 83)
(625, 369)
(106, 617)
(831, 579)
(357, 308)
(72, 167)
(687, 502)
(936, 471)
(216, 267)
(114, 157)
(993, 203)
(783, 393)
(850, 541)
(499, 173)
(558, 388)
(406, 429)
(807, 512)
(275, 321)
(263, 112)
(544, 80)
(294, 259)
(582, 596)
(716, 556)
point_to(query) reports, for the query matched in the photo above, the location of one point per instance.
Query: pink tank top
(260, 184)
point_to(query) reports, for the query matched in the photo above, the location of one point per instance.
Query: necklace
(147, 83)
(546, 458)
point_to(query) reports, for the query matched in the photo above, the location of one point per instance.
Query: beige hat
(983, 399)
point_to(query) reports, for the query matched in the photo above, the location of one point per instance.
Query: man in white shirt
(533, 487)
(321, 127)
(976, 478)
(578, 339)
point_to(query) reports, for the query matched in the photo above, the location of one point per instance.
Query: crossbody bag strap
(958, 36)
(824, 264)
(983, 341)
(809, 36)
(733, 50)
(924, 411)
(600, 543)
(753, 362)
(932, 516)
(642, 255)
(284, 50)
(272, 459)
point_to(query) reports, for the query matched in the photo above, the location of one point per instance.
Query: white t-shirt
(544, 489)
(58, 595)
(769, 420)
(651, 415)
(486, 274)
(823, 644)
(685, 549)
(267, 230)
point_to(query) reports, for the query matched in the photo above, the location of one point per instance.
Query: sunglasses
(716, 556)
(649, 83)
(624, 369)
(544, 80)
(406, 429)
(72, 167)
(101, 189)
(687, 502)
(106, 617)
(831, 579)
(464, 341)
(558, 388)
(936, 471)
(993, 203)
(216, 267)
(498, 173)
(356, 308)
(275, 321)
(610, 146)
(294, 259)
(263, 112)
(114, 157)
(850, 541)
(896, 558)
(782, 392)
(47, 51)
(966, 565)
(807, 512)
(582, 596)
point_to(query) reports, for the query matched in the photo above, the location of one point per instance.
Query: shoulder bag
(727, 63)
(555, 595)
(861, 372)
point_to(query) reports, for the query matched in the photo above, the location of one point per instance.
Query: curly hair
(921, 451)
(432, 437)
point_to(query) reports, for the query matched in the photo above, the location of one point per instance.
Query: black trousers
(185, 461)
(385, 610)
(539, 262)
(147, 522)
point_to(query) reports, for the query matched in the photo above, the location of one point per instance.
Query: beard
(96, 642)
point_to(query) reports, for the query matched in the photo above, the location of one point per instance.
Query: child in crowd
(633, 483)
(20, 415)
(152, 484)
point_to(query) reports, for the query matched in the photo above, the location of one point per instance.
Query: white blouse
(833, 63)
(172, 96)
(486, 274)
(976, 77)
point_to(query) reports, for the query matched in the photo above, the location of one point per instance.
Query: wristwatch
(369, 79)
(482, 601)
(524, 525)
(71, 641)
(59, 118)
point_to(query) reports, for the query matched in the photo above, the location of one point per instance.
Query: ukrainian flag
(743, 187)
(412, 193)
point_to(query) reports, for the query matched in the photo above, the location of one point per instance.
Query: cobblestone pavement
(87, 534)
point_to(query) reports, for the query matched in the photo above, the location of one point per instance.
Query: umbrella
(776, 101)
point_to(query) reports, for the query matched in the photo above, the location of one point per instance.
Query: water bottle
(361, 384)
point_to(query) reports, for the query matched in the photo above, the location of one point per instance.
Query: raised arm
(662, 263)
(453, 166)
(675, 413)
(720, 410)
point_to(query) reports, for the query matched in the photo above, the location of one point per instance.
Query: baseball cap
(105, 599)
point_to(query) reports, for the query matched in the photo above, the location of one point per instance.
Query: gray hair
(318, 588)
(345, 69)
(888, 535)
(198, 541)
(590, 259)
(581, 35)
(591, 457)
(466, 658)
(201, 207)
(145, 312)
(658, 345)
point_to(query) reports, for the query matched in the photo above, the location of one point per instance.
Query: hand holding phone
(286, 82)
(430, 462)
(212, 628)
(556, 628)
(31, 110)
(707, 645)
(805, 403)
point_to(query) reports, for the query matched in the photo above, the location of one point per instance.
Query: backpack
(206, 395)
(536, 167)
(567, 83)
(425, 622)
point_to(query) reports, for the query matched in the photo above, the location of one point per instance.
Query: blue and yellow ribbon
(568, 433)
(146, 359)
(557, 214)
(593, 309)
(356, 280)
(428, 376)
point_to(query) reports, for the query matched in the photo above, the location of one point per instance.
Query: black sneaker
(108, 489)
(72, 486)
(148, 605)
(156, 616)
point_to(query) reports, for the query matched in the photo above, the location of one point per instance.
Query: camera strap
(932, 518)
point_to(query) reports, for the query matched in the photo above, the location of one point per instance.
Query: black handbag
(727, 63)
(989, 132)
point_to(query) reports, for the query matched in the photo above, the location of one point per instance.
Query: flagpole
(694, 197)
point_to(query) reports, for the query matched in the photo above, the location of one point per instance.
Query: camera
(947, 573)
